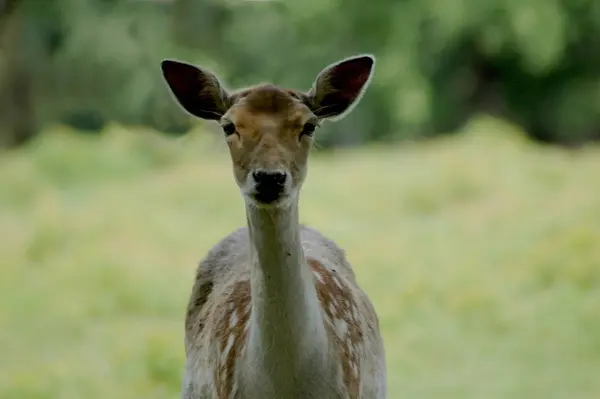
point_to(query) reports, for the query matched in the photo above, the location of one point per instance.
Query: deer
(276, 311)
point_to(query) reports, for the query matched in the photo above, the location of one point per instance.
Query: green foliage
(533, 62)
(478, 249)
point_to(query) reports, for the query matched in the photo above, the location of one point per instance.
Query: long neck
(286, 325)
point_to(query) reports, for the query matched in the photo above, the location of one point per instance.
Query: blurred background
(465, 186)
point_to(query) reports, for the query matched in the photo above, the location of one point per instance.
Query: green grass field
(481, 252)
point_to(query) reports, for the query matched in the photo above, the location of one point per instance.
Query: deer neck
(286, 330)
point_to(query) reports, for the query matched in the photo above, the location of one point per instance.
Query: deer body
(276, 311)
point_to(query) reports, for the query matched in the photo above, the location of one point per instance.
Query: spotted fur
(342, 323)
(276, 311)
(217, 344)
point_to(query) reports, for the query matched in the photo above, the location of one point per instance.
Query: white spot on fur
(354, 314)
(336, 280)
(332, 308)
(319, 277)
(233, 320)
(228, 347)
(341, 327)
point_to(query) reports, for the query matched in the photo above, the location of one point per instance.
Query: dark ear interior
(340, 86)
(197, 90)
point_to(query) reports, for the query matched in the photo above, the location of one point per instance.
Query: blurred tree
(17, 116)
(87, 62)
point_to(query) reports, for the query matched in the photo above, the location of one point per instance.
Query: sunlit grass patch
(481, 252)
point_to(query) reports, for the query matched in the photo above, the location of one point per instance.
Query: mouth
(268, 198)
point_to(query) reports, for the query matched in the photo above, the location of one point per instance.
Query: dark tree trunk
(17, 113)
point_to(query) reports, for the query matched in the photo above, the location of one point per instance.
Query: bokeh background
(465, 186)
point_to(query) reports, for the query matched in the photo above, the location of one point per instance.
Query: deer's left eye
(308, 130)
(228, 128)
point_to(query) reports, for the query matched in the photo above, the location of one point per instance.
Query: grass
(481, 252)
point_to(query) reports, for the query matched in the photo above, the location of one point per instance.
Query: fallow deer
(276, 311)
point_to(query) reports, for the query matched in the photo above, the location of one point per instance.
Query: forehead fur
(268, 99)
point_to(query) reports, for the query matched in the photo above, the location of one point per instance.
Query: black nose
(269, 178)
(269, 185)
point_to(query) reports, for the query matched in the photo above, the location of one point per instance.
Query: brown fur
(268, 122)
(339, 305)
(337, 292)
(237, 305)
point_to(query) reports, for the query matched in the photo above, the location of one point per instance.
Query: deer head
(269, 130)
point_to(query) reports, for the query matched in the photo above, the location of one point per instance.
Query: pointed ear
(339, 87)
(197, 90)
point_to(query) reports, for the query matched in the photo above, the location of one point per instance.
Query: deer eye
(228, 128)
(308, 129)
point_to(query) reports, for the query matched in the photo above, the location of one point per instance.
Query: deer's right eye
(308, 129)
(228, 128)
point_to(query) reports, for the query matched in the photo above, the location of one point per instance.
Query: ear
(197, 90)
(339, 87)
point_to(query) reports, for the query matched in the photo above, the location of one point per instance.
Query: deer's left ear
(197, 90)
(339, 87)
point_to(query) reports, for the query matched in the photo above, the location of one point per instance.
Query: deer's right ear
(339, 87)
(197, 90)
